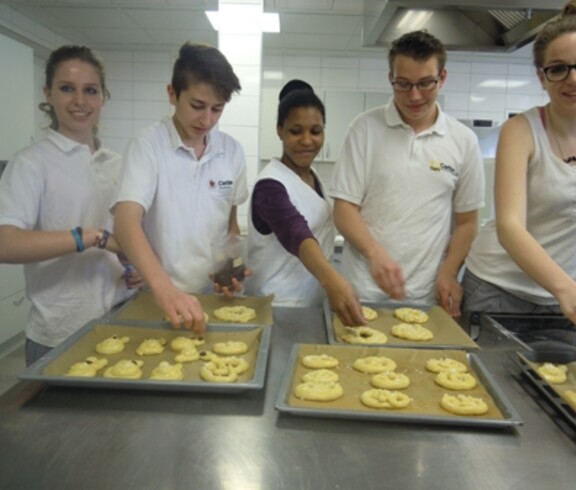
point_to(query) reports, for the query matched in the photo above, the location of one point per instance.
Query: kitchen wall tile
(456, 102)
(152, 110)
(116, 144)
(120, 109)
(155, 57)
(337, 62)
(308, 61)
(339, 78)
(313, 75)
(249, 79)
(489, 68)
(120, 89)
(152, 72)
(115, 128)
(522, 70)
(524, 85)
(457, 82)
(240, 111)
(483, 102)
(457, 67)
(153, 91)
(376, 80)
(496, 116)
(375, 63)
(488, 83)
(119, 70)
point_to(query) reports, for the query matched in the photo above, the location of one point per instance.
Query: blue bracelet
(77, 234)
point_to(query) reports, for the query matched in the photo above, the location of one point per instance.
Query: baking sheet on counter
(425, 394)
(142, 308)
(447, 333)
(555, 393)
(52, 367)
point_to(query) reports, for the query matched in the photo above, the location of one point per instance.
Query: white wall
(16, 131)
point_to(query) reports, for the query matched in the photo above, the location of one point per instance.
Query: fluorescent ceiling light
(270, 22)
(503, 83)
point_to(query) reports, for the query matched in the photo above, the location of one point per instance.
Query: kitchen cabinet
(14, 305)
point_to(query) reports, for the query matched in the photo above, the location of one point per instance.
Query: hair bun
(294, 85)
(569, 9)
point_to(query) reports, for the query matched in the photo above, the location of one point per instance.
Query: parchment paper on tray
(143, 308)
(447, 333)
(76, 349)
(558, 389)
(425, 394)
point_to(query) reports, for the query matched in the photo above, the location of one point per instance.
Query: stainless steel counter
(64, 438)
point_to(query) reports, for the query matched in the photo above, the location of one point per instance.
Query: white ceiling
(311, 27)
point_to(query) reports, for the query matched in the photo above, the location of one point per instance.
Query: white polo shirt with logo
(407, 186)
(187, 201)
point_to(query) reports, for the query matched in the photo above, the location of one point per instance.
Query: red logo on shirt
(212, 184)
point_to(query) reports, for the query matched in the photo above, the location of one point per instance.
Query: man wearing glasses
(408, 185)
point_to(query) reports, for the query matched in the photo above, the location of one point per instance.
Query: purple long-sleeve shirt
(273, 212)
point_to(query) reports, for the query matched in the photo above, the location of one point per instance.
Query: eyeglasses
(422, 85)
(558, 73)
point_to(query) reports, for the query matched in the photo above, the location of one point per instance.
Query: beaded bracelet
(77, 234)
(103, 239)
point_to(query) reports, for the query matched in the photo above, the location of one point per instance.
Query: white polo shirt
(187, 201)
(407, 186)
(56, 184)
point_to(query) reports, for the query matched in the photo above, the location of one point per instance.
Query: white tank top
(275, 270)
(550, 219)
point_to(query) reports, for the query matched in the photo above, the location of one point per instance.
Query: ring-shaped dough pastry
(455, 381)
(167, 372)
(409, 331)
(411, 315)
(390, 380)
(321, 376)
(553, 373)
(218, 373)
(151, 347)
(236, 314)
(128, 369)
(230, 348)
(239, 364)
(570, 397)
(318, 392)
(87, 368)
(460, 404)
(364, 335)
(188, 354)
(320, 361)
(180, 343)
(369, 313)
(374, 364)
(112, 345)
(435, 365)
(377, 398)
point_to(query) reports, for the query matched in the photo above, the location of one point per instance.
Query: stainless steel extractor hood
(462, 25)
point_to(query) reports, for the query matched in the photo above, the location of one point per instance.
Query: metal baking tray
(552, 393)
(51, 368)
(142, 308)
(502, 414)
(447, 333)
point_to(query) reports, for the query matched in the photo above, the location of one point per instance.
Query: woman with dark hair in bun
(291, 232)
(525, 260)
